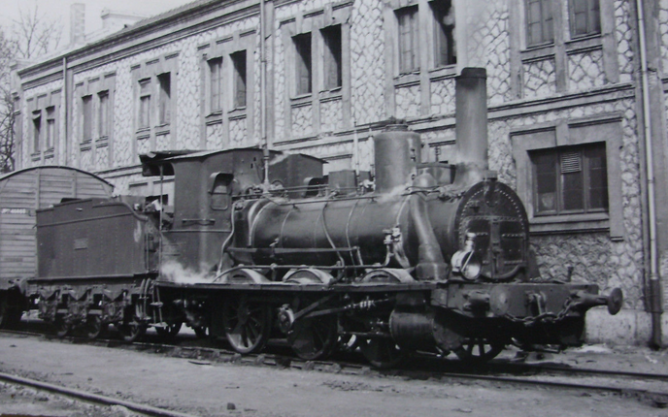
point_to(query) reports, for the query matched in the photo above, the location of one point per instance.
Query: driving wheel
(314, 338)
(246, 324)
(382, 352)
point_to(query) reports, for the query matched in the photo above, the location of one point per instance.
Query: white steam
(174, 272)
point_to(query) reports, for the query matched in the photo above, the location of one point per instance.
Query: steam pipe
(263, 96)
(654, 280)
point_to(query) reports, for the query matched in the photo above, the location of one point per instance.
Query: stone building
(577, 110)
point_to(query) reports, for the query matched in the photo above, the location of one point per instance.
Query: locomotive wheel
(201, 332)
(94, 327)
(61, 327)
(131, 331)
(246, 323)
(381, 352)
(170, 331)
(314, 338)
(479, 351)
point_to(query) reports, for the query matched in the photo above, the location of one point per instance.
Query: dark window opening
(50, 127)
(103, 117)
(445, 52)
(87, 111)
(408, 39)
(585, 16)
(221, 192)
(37, 128)
(333, 57)
(570, 180)
(303, 61)
(539, 22)
(216, 84)
(165, 110)
(239, 64)
(145, 103)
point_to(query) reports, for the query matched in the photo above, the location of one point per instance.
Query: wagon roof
(21, 171)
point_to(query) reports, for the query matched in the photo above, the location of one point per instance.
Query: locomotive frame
(259, 245)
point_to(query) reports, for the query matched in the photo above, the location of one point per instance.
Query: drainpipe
(654, 280)
(66, 99)
(263, 95)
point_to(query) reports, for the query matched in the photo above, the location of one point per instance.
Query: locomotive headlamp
(465, 262)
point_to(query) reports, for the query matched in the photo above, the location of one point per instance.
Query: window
(145, 103)
(570, 180)
(87, 112)
(333, 57)
(216, 88)
(221, 192)
(303, 61)
(408, 39)
(444, 33)
(50, 127)
(585, 17)
(165, 98)
(103, 117)
(37, 128)
(539, 22)
(239, 64)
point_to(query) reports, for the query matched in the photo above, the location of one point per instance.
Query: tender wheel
(131, 331)
(170, 331)
(94, 327)
(246, 323)
(381, 352)
(479, 351)
(314, 338)
(61, 327)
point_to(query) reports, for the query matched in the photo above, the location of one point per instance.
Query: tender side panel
(91, 239)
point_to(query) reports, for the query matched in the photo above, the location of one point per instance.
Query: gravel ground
(18, 400)
(226, 389)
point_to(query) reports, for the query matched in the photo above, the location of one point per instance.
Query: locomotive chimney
(471, 117)
(397, 153)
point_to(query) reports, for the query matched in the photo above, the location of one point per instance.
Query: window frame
(559, 179)
(591, 11)
(606, 128)
(239, 79)
(144, 113)
(332, 63)
(443, 34)
(408, 39)
(545, 7)
(303, 50)
(103, 114)
(87, 112)
(215, 81)
(51, 128)
(164, 83)
(37, 131)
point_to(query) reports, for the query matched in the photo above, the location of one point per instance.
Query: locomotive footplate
(528, 303)
(314, 288)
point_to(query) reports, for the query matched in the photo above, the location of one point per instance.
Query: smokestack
(77, 23)
(396, 155)
(471, 117)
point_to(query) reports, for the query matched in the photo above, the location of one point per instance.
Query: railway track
(419, 367)
(88, 397)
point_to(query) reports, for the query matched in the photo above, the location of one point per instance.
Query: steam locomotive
(260, 245)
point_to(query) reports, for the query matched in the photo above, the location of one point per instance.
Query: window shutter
(571, 162)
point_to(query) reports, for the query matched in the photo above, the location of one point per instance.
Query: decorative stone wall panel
(331, 115)
(238, 133)
(367, 56)
(585, 70)
(539, 78)
(143, 146)
(164, 142)
(496, 39)
(663, 32)
(624, 37)
(214, 136)
(407, 101)
(443, 96)
(302, 120)
(101, 158)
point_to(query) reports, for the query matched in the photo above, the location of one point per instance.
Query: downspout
(654, 280)
(65, 97)
(263, 96)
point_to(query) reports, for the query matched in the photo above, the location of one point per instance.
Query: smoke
(173, 271)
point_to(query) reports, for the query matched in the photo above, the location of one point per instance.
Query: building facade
(577, 110)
